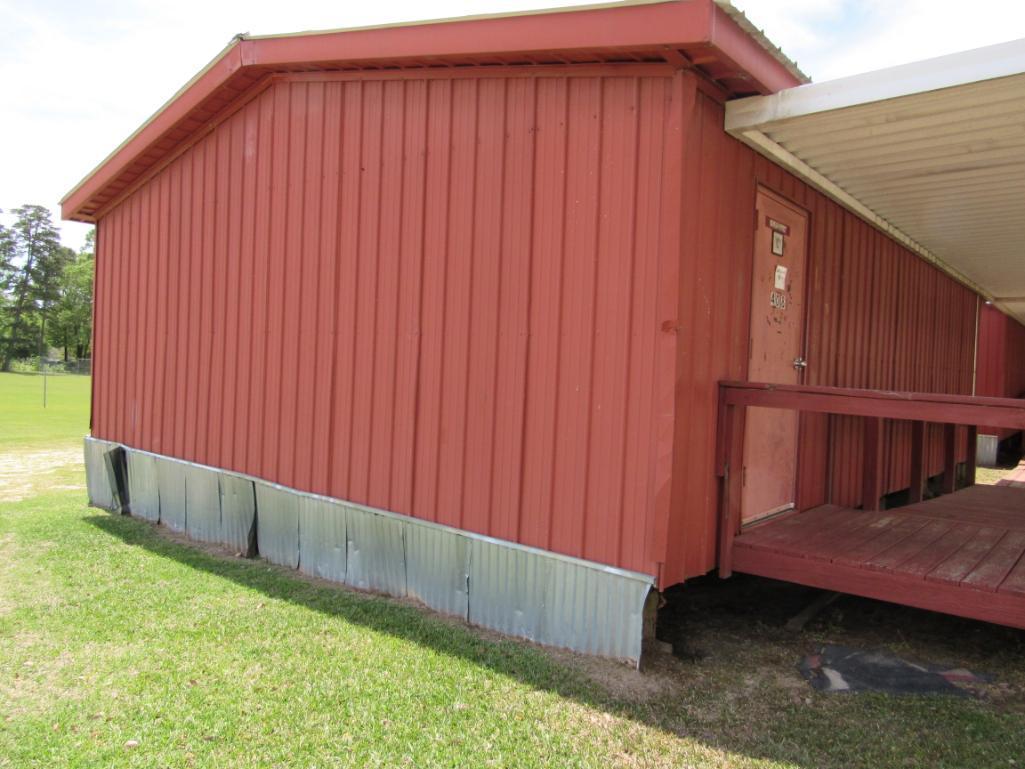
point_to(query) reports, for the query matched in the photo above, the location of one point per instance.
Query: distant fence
(53, 366)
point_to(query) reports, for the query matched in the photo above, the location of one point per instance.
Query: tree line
(46, 289)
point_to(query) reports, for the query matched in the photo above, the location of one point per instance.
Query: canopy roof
(711, 36)
(932, 152)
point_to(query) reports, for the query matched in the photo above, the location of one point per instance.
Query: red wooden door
(776, 344)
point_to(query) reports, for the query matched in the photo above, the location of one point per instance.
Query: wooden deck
(962, 553)
(1016, 478)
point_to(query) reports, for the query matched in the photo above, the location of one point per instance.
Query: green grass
(24, 423)
(120, 647)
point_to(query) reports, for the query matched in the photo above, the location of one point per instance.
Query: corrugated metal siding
(878, 317)
(991, 373)
(335, 290)
(904, 326)
(1000, 365)
(446, 297)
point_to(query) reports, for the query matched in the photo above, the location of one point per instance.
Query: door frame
(762, 187)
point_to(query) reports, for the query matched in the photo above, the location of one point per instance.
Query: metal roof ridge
(654, 28)
(454, 19)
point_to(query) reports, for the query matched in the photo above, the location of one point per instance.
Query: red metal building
(490, 273)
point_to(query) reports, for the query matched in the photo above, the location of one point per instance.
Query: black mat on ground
(843, 669)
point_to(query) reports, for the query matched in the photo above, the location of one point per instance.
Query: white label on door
(777, 243)
(780, 281)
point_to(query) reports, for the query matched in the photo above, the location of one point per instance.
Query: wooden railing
(921, 409)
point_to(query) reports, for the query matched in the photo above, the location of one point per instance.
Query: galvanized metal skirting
(986, 450)
(522, 591)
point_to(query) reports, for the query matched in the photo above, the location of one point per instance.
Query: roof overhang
(932, 153)
(708, 35)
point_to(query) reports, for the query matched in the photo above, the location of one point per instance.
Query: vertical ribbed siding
(878, 317)
(434, 296)
(905, 326)
(441, 296)
(1000, 365)
(712, 334)
(1000, 368)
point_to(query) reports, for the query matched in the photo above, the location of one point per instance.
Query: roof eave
(205, 82)
(639, 24)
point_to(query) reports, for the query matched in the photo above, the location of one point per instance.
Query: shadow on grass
(507, 657)
(380, 613)
(743, 630)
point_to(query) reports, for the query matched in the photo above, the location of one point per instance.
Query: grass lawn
(120, 646)
(24, 423)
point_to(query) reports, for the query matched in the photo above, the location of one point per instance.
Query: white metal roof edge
(752, 119)
(964, 68)
(780, 155)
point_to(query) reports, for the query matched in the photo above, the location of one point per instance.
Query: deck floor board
(994, 568)
(826, 538)
(891, 558)
(787, 531)
(894, 533)
(962, 553)
(1014, 582)
(968, 556)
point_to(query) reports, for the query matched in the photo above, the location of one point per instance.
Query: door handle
(800, 363)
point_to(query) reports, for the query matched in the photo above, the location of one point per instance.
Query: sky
(79, 77)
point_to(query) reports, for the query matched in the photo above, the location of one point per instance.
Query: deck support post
(872, 467)
(949, 459)
(971, 461)
(918, 472)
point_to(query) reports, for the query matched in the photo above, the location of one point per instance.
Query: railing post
(949, 459)
(729, 500)
(724, 434)
(918, 471)
(872, 466)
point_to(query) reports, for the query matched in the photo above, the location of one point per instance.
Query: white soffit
(931, 152)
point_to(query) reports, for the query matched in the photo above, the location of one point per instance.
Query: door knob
(800, 363)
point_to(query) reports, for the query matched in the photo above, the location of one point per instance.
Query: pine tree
(39, 262)
(7, 268)
(70, 324)
(7, 273)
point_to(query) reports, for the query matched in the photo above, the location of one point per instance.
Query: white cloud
(77, 81)
(836, 38)
(80, 77)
